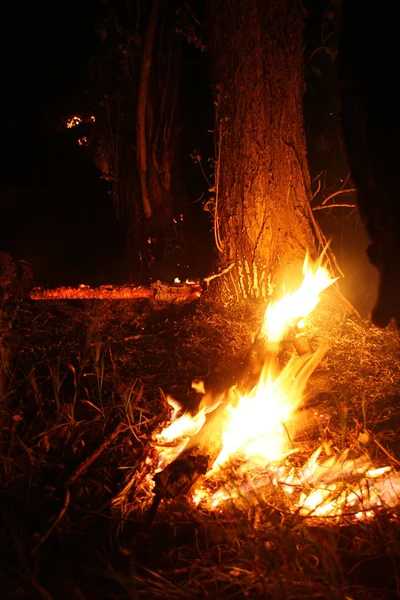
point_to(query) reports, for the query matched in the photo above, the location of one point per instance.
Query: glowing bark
(263, 216)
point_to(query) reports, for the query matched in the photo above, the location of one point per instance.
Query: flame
(253, 430)
(256, 430)
(293, 308)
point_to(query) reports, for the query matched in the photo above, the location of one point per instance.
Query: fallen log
(158, 291)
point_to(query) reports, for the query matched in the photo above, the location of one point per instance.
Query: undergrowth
(82, 390)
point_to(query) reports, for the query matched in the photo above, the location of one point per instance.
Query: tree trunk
(141, 139)
(263, 221)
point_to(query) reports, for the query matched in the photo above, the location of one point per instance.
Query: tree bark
(263, 219)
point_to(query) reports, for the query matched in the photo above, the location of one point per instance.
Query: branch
(56, 521)
(211, 277)
(316, 191)
(348, 191)
(83, 467)
(321, 47)
(335, 206)
(157, 291)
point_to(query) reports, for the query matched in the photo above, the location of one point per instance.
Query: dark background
(56, 211)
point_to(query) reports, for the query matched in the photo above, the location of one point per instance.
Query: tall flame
(293, 308)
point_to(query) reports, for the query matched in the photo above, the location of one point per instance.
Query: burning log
(182, 474)
(158, 291)
(177, 479)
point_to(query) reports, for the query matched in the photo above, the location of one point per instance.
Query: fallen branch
(56, 521)
(77, 473)
(90, 459)
(160, 292)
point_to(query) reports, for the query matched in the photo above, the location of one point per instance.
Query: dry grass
(81, 400)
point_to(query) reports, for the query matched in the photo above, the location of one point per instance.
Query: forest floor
(82, 387)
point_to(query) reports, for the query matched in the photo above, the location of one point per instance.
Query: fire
(249, 431)
(179, 431)
(293, 308)
(255, 429)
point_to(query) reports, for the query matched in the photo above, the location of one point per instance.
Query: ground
(82, 390)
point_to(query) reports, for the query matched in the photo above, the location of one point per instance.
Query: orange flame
(257, 429)
(293, 308)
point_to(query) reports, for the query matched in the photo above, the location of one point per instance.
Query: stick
(90, 459)
(78, 472)
(211, 277)
(56, 521)
(328, 206)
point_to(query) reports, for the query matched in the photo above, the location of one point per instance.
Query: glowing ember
(73, 122)
(162, 293)
(76, 120)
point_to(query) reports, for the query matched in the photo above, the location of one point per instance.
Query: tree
(135, 79)
(262, 217)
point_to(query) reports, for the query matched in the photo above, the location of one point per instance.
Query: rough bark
(263, 218)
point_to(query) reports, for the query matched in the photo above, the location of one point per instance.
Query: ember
(158, 291)
(73, 121)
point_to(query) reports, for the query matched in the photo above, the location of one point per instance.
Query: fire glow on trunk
(250, 432)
